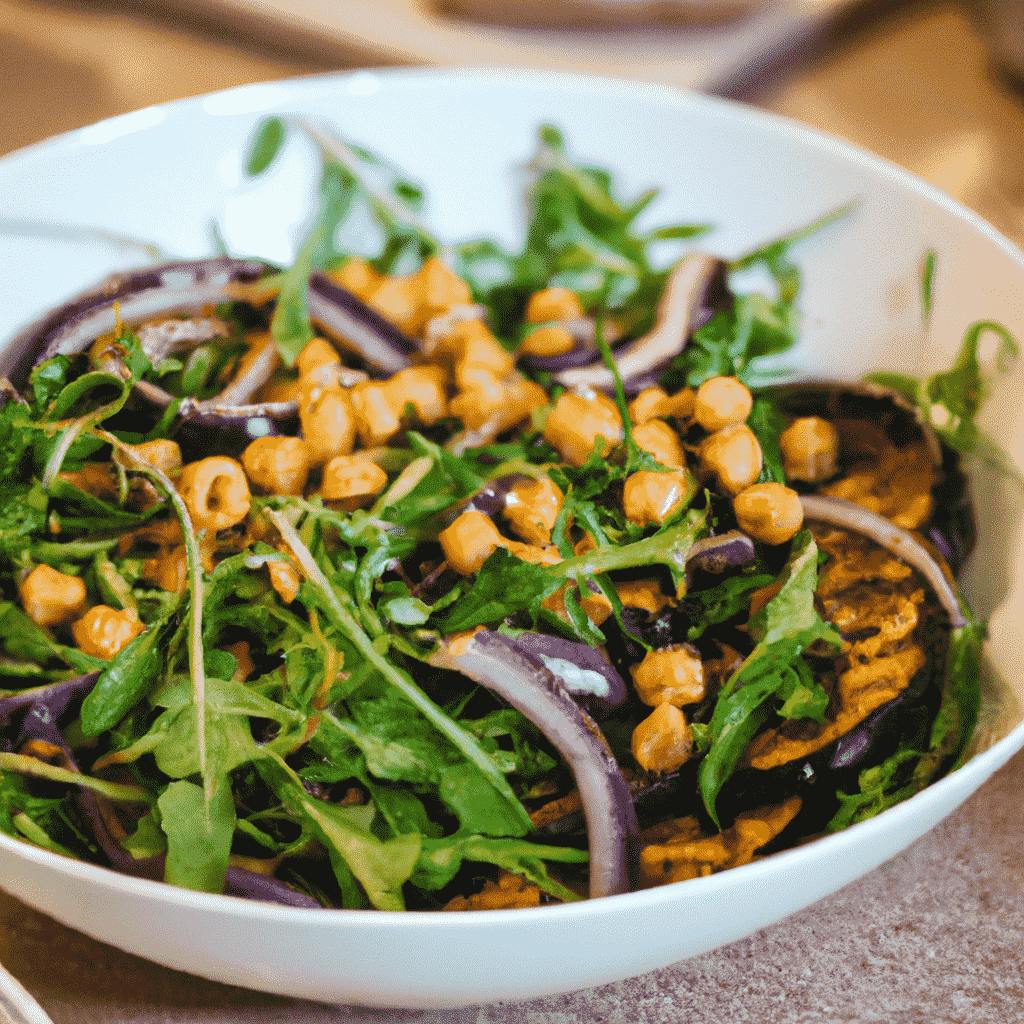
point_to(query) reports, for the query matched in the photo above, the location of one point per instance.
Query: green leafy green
(266, 144)
(784, 628)
(199, 834)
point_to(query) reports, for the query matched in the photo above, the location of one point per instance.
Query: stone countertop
(932, 937)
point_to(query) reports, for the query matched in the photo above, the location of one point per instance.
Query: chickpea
(657, 438)
(104, 632)
(481, 351)
(316, 354)
(643, 594)
(648, 405)
(377, 419)
(397, 299)
(163, 455)
(168, 570)
(531, 508)
(352, 481)
(328, 423)
(357, 276)
(770, 513)
(51, 598)
(662, 742)
(576, 424)
(722, 402)
(595, 605)
(245, 666)
(670, 675)
(469, 542)
(281, 388)
(277, 465)
(650, 498)
(547, 341)
(94, 478)
(553, 304)
(423, 388)
(584, 544)
(680, 406)
(441, 288)
(285, 579)
(216, 492)
(733, 455)
(810, 449)
(502, 404)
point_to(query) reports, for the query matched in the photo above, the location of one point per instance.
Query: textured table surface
(933, 937)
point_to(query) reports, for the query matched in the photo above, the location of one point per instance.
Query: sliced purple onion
(130, 297)
(584, 671)
(719, 554)
(358, 327)
(692, 290)
(899, 542)
(169, 337)
(250, 885)
(496, 663)
(54, 698)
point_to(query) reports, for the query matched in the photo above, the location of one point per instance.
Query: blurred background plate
(16, 1005)
(703, 52)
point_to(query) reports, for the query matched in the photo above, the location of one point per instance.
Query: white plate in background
(710, 57)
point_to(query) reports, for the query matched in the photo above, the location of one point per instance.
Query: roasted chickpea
(315, 355)
(648, 405)
(94, 478)
(770, 513)
(643, 594)
(547, 341)
(657, 438)
(104, 632)
(733, 455)
(283, 387)
(163, 455)
(168, 570)
(595, 605)
(216, 492)
(244, 665)
(440, 288)
(328, 423)
(285, 578)
(671, 675)
(356, 276)
(810, 449)
(500, 404)
(376, 416)
(531, 508)
(422, 388)
(469, 542)
(352, 481)
(662, 742)
(481, 351)
(51, 598)
(277, 465)
(577, 423)
(553, 304)
(398, 299)
(650, 498)
(680, 406)
(722, 402)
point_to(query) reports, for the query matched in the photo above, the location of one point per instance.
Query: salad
(419, 575)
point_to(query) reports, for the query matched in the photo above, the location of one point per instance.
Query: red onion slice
(690, 292)
(358, 327)
(496, 663)
(899, 542)
(718, 554)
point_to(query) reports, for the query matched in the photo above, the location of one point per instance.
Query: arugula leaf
(767, 422)
(125, 681)
(471, 797)
(266, 144)
(786, 626)
(722, 602)
(441, 859)
(199, 834)
(950, 400)
(929, 263)
(503, 586)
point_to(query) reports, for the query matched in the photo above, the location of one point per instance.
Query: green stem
(343, 619)
(21, 764)
(667, 548)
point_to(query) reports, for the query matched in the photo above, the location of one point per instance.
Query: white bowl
(166, 172)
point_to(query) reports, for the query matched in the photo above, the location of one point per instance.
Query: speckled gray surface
(935, 936)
